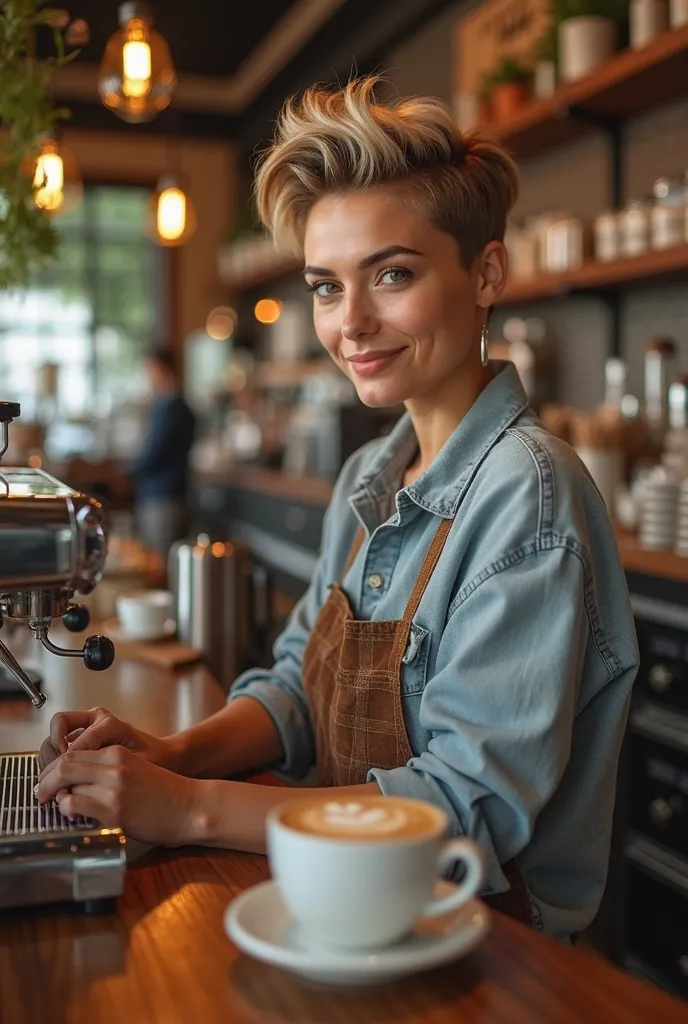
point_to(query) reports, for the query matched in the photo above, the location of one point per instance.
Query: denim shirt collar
(440, 488)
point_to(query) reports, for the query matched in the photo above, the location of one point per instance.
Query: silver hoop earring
(484, 346)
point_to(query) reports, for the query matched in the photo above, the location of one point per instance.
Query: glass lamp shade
(171, 218)
(136, 77)
(56, 179)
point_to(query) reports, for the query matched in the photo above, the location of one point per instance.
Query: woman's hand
(94, 730)
(121, 789)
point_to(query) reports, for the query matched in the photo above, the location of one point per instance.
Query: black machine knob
(76, 618)
(9, 411)
(99, 653)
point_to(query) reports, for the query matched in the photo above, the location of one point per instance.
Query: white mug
(356, 893)
(143, 614)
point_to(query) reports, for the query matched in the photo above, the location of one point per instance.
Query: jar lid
(663, 346)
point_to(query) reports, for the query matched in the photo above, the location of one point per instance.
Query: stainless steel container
(211, 583)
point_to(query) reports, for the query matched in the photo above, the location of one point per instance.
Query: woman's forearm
(240, 738)
(232, 815)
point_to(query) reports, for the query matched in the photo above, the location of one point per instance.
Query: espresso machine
(53, 542)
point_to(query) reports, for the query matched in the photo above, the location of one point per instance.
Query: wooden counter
(163, 957)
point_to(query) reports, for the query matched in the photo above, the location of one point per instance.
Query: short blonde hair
(338, 141)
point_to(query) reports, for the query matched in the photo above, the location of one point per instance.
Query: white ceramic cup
(142, 614)
(354, 893)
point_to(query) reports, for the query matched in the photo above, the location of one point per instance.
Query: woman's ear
(493, 263)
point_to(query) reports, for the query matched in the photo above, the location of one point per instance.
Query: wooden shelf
(663, 265)
(263, 275)
(663, 564)
(630, 83)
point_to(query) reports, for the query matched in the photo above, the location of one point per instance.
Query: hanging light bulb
(171, 216)
(56, 179)
(136, 77)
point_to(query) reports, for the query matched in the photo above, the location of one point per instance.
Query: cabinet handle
(663, 811)
(660, 678)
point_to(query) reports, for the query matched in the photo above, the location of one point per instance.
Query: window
(72, 343)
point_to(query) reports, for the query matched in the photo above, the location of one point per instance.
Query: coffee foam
(367, 818)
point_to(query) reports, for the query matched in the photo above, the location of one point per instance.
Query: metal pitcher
(214, 605)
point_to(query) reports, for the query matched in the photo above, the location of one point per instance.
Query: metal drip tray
(45, 857)
(20, 812)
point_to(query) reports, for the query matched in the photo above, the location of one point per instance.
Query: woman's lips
(368, 365)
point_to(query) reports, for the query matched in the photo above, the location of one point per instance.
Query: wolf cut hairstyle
(338, 141)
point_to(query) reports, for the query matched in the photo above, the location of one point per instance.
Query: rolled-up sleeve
(280, 688)
(500, 707)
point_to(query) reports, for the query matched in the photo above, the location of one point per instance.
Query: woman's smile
(370, 364)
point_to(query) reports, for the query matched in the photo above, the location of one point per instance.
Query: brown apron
(352, 682)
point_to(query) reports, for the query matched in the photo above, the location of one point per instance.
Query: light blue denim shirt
(518, 673)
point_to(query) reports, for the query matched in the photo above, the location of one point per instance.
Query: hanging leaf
(27, 235)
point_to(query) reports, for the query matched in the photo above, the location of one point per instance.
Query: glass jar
(607, 236)
(668, 216)
(634, 229)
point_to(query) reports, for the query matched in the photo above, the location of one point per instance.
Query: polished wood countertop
(163, 956)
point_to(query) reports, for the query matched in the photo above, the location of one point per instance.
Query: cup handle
(457, 850)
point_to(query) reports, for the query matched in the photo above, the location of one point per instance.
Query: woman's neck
(435, 416)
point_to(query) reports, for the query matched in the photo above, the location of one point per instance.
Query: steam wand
(10, 662)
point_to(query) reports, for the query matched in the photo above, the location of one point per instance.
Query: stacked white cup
(658, 517)
(681, 543)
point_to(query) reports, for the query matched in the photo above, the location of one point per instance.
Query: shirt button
(375, 580)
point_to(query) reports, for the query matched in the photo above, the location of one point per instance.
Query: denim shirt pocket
(415, 661)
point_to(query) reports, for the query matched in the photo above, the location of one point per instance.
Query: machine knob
(99, 653)
(76, 618)
(660, 678)
(662, 811)
(9, 411)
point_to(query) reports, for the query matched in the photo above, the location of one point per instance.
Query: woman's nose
(359, 319)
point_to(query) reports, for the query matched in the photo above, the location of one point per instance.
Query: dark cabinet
(657, 936)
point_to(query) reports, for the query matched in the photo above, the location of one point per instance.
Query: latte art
(354, 817)
(366, 818)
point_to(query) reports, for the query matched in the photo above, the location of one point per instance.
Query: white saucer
(113, 629)
(259, 922)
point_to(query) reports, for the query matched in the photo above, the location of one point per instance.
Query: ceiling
(206, 37)
(236, 60)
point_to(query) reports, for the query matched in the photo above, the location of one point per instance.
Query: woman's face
(393, 305)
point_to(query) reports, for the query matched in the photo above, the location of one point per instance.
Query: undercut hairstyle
(337, 141)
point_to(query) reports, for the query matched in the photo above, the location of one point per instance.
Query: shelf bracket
(612, 127)
(612, 299)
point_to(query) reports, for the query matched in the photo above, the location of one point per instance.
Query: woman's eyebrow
(368, 261)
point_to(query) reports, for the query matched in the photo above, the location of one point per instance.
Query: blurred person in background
(159, 473)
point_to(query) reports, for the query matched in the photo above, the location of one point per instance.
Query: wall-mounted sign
(495, 29)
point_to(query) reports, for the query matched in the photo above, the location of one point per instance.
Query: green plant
(510, 70)
(546, 48)
(27, 236)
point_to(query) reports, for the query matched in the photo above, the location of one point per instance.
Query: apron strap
(428, 567)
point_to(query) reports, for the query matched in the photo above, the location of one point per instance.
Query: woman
(478, 651)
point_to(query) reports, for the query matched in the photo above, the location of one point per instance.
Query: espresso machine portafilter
(53, 542)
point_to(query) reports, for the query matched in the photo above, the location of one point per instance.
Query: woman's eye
(395, 276)
(323, 289)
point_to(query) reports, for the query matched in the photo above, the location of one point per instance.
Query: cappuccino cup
(359, 872)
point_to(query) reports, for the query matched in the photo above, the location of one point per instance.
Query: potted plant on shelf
(587, 34)
(508, 86)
